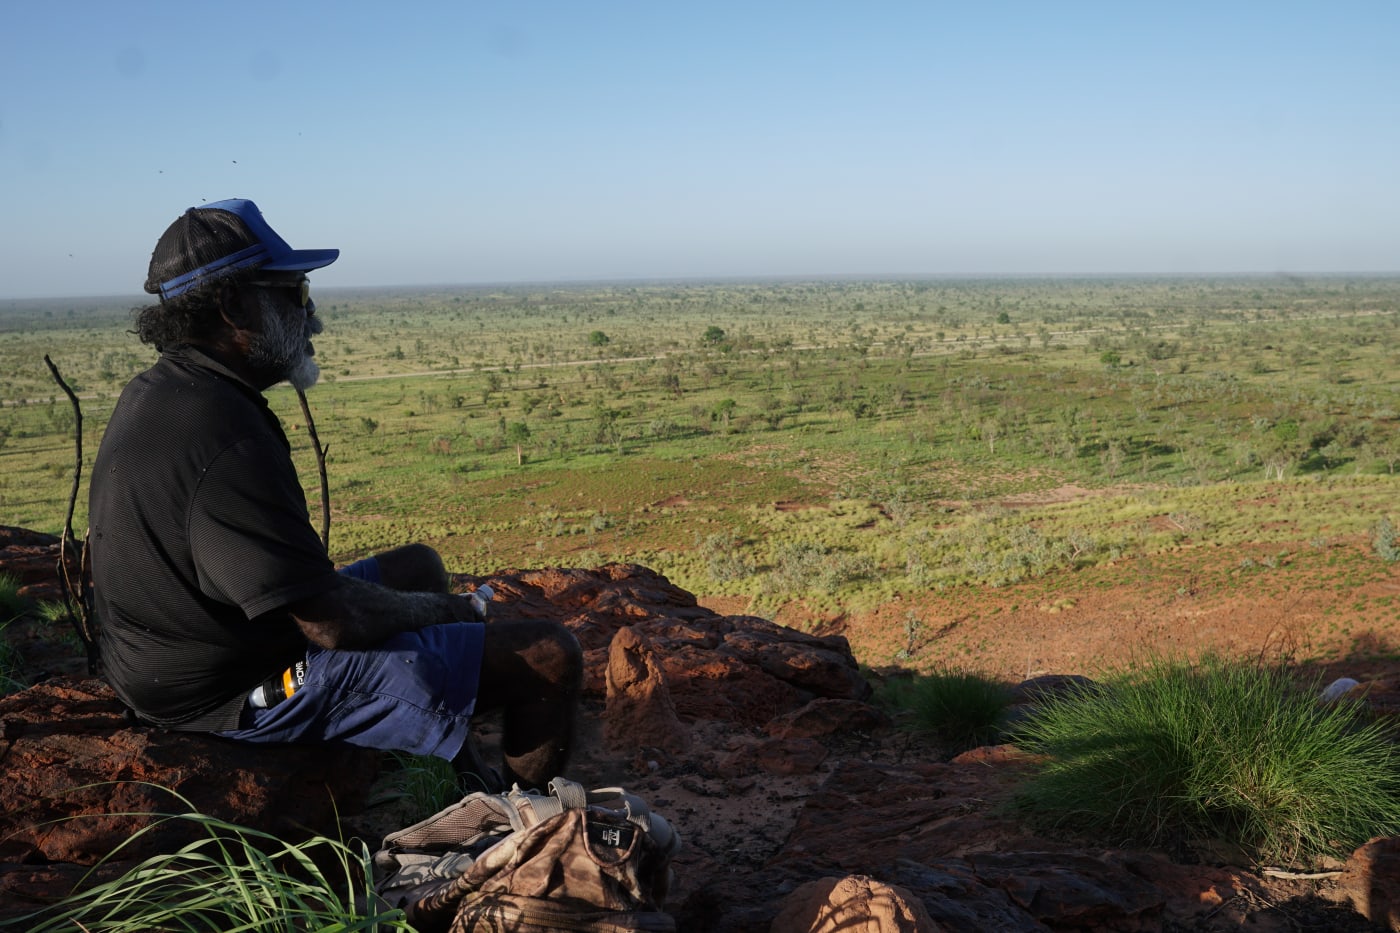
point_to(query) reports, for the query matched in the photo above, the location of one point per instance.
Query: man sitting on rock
(218, 608)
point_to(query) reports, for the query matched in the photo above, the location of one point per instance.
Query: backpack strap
(569, 793)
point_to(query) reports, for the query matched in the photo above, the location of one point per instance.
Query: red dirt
(1335, 610)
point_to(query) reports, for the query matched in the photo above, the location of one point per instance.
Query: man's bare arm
(357, 614)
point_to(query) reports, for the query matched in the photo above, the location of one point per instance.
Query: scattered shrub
(1000, 549)
(802, 566)
(913, 627)
(1383, 541)
(725, 559)
(663, 429)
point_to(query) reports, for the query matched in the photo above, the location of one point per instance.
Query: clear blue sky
(533, 141)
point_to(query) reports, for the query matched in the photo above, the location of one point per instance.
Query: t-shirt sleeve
(250, 533)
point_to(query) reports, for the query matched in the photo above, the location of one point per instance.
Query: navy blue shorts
(414, 692)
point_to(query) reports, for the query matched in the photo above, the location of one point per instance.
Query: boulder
(1371, 881)
(942, 836)
(740, 669)
(640, 712)
(853, 904)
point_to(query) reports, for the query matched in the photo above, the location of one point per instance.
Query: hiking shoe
(474, 774)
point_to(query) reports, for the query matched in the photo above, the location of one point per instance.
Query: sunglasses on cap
(303, 284)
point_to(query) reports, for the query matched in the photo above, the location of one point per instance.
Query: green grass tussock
(12, 606)
(960, 707)
(12, 603)
(428, 784)
(1229, 750)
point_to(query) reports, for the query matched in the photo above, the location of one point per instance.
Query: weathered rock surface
(1372, 881)
(800, 807)
(79, 781)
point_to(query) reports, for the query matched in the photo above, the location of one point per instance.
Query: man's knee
(564, 656)
(530, 653)
(413, 568)
(553, 652)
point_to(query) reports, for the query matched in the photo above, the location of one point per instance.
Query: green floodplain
(840, 442)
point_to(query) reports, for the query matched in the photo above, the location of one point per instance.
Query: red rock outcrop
(640, 712)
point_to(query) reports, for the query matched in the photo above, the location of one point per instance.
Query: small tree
(1281, 449)
(991, 429)
(518, 433)
(598, 339)
(713, 335)
(722, 411)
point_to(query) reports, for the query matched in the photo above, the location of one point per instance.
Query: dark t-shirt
(200, 539)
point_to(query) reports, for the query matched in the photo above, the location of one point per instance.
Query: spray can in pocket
(277, 688)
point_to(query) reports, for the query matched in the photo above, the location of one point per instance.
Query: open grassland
(825, 449)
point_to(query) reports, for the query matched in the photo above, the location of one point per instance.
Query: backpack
(597, 861)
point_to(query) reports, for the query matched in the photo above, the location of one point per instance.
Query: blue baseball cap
(217, 240)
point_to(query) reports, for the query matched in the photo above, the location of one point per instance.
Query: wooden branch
(77, 593)
(321, 468)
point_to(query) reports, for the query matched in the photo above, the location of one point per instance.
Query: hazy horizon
(137, 298)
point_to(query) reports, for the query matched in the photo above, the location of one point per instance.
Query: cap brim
(302, 260)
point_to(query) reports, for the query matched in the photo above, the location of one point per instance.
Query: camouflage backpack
(571, 860)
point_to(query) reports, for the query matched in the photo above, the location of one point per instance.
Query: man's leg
(531, 670)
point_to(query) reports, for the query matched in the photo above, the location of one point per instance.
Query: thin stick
(321, 468)
(75, 591)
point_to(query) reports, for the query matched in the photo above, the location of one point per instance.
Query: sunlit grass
(1221, 749)
(231, 878)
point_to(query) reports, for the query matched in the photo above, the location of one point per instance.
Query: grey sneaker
(481, 599)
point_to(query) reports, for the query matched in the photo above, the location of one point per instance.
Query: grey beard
(280, 350)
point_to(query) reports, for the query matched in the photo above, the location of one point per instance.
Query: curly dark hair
(192, 316)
